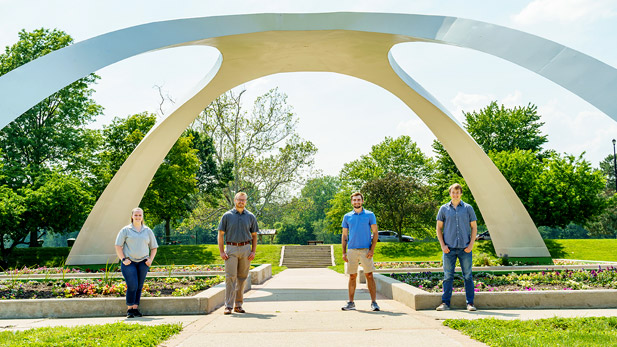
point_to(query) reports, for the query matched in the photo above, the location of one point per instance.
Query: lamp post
(615, 163)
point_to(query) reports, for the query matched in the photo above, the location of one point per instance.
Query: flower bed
(79, 288)
(545, 280)
(480, 260)
(43, 270)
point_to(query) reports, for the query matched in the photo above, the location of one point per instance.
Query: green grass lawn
(116, 334)
(587, 331)
(586, 249)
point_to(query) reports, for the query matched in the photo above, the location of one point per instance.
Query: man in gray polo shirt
(238, 233)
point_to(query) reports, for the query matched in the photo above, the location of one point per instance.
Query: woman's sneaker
(129, 313)
(471, 307)
(443, 307)
(349, 307)
(136, 313)
(374, 306)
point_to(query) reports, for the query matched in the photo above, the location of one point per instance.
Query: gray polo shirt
(238, 227)
(456, 228)
(136, 245)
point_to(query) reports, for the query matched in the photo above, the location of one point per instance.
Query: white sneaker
(443, 307)
(471, 307)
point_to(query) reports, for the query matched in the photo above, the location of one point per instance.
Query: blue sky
(344, 116)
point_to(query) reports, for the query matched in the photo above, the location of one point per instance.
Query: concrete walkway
(302, 307)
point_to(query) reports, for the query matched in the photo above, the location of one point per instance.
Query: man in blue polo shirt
(358, 225)
(456, 231)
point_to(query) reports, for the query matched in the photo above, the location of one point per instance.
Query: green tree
(12, 208)
(50, 134)
(339, 205)
(497, 128)
(401, 203)
(267, 155)
(567, 190)
(319, 191)
(607, 167)
(119, 139)
(56, 203)
(169, 195)
(604, 225)
(400, 155)
(166, 199)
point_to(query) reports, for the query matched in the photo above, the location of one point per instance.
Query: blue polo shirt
(359, 225)
(456, 228)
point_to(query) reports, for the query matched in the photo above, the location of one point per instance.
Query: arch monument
(355, 44)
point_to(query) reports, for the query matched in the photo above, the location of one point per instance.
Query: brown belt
(238, 243)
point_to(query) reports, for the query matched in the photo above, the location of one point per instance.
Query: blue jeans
(449, 263)
(134, 275)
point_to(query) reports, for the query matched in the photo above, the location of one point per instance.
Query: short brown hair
(456, 186)
(238, 194)
(356, 194)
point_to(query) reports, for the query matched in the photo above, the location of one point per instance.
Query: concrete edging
(202, 303)
(418, 299)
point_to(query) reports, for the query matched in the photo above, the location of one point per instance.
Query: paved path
(301, 307)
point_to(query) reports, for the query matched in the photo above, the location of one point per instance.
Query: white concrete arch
(355, 44)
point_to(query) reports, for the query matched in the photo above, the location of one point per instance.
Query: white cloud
(588, 131)
(565, 11)
(512, 100)
(464, 102)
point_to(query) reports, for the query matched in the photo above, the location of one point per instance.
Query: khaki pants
(236, 272)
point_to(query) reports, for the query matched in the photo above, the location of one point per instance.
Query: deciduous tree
(401, 203)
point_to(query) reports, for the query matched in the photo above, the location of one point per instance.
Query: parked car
(483, 236)
(392, 236)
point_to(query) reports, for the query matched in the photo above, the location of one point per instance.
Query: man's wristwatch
(123, 259)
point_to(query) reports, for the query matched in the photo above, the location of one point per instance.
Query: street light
(615, 163)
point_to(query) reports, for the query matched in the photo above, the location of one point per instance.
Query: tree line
(53, 167)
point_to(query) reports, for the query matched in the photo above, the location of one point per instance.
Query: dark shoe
(350, 306)
(239, 310)
(136, 313)
(130, 314)
(227, 310)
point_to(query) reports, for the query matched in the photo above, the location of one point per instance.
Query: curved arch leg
(94, 244)
(513, 232)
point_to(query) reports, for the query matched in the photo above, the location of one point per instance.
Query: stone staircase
(306, 256)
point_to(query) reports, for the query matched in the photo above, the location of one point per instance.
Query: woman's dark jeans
(134, 275)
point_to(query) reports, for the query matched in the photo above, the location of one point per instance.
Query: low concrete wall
(261, 274)
(202, 303)
(418, 299)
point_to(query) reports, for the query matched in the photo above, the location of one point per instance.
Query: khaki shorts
(355, 256)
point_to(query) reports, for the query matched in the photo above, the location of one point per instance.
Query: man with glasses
(238, 235)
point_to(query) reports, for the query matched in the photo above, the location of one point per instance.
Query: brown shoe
(239, 310)
(227, 310)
